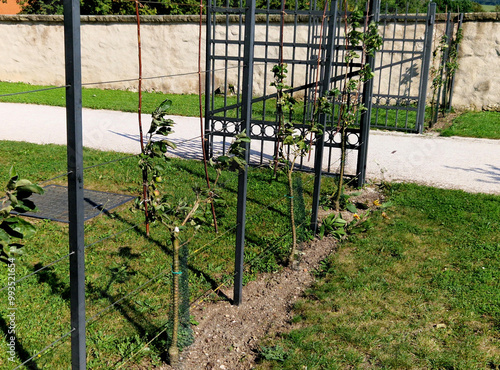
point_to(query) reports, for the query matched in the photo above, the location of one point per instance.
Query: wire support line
(55, 178)
(34, 91)
(136, 290)
(157, 77)
(186, 140)
(205, 294)
(194, 253)
(109, 162)
(144, 346)
(250, 217)
(46, 348)
(111, 236)
(127, 80)
(40, 269)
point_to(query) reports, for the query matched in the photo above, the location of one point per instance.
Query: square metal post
(374, 9)
(319, 144)
(208, 138)
(246, 114)
(75, 181)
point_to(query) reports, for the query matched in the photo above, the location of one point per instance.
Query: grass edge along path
(419, 290)
(484, 124)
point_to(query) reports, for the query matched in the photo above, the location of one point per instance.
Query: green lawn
(119, 265)
(475, 124)
(488, 8)
(420, 290)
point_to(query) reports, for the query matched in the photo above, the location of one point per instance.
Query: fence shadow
(493, 172)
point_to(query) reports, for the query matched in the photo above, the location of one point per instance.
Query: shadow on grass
(21, 353)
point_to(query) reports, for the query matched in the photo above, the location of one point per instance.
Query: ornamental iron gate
(402, 70)
(311, 43)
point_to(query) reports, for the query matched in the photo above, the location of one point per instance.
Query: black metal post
(75, 181)
(426, 62)
(246, 114)
(208, 77)
(374, 9)
(319, 144)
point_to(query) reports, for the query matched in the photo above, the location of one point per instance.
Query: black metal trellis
(225, 48)
(315, 65)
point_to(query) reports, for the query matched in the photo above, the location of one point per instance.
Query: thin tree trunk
(342, 168)
(173, 351)
(293, 250)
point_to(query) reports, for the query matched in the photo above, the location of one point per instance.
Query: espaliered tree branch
(293, 142)
(361, 40)
(13, 228)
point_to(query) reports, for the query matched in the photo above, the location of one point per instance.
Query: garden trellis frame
(235, 49)
(331, 48)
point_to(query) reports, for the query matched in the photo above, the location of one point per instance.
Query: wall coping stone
(153, 19)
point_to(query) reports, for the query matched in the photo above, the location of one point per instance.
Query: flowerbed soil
(228, 336)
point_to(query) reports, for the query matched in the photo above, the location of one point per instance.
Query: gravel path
(469, 164)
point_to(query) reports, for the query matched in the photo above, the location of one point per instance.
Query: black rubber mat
(53, 204)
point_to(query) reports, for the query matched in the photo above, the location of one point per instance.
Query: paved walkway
(469, 164)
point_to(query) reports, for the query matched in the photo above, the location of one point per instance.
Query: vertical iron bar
(320, 139)
(426, 61)
(452, 82)
(412, 64)
(381, 56)
(374, 9)
(208, 77)
(243, 175)
(390, 72)
(75, 181)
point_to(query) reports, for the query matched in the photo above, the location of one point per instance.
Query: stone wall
(33, 51)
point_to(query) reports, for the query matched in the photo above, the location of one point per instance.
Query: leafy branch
(14, 228)
(359, 45)
(292, 143)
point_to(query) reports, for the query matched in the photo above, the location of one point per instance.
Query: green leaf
(30, 189)
(164, 106)
(12, 198)
(21, 227)
(153, 127)
(322, 231)
(23, 182)
(351, 208)
(13, 173)
(170, 144)
(4, 236)
(25, 206)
